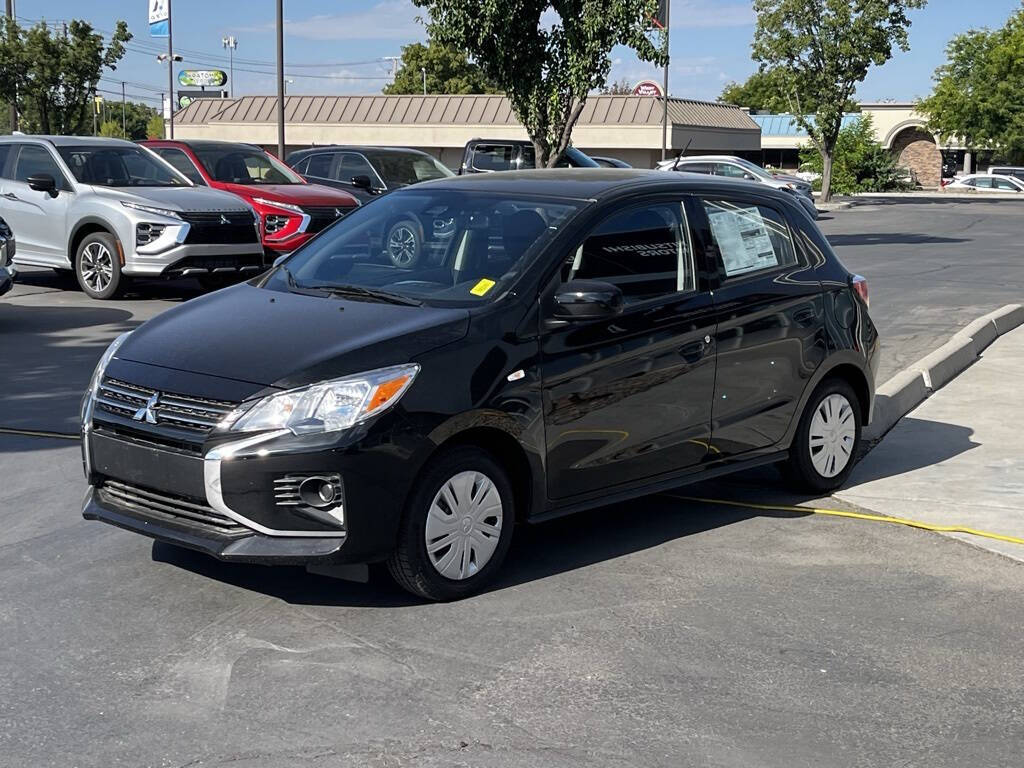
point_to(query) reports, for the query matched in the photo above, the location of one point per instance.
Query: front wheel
(457, 528)
(828, 435)
(98, 266)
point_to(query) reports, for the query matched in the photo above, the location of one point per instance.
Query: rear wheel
(98, 266)
(457, 527)
(828, 435)
(404, 243)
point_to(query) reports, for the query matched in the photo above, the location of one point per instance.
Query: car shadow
(891, 238)
(137, 288)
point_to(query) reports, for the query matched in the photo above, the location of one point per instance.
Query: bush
(860, 164)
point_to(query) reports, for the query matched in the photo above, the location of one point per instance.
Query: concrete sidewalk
(958, 458)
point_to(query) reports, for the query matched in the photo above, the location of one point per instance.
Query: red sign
(647, 88)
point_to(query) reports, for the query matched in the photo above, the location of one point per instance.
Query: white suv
(108, 209)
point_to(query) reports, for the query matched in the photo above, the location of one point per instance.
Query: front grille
(321, 217)
(220, 228)
(169, 507)
(145, 405)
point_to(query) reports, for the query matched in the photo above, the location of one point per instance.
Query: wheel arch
(855, 377)
(85, 227)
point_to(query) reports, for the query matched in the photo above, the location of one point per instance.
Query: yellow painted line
(858, 516)
(37, 433)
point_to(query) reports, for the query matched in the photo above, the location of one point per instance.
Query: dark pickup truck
(487, 155)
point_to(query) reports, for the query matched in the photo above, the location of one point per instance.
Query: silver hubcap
(833, 433)
(402, 246)
(463, 525)
(97, 267)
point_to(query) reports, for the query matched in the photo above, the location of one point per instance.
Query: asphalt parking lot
(661, 632)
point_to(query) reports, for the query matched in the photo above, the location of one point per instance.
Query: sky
(339, 47)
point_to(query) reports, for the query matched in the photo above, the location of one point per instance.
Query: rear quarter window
(749, 237)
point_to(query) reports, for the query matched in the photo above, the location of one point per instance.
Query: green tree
(822, 49)
(861, 163)
(137, 117)
(768, 91)
(155, 127)
(448, 71)
(111, 130)
(547, 69)
(50, 76)
(621, 87)
(979, 91)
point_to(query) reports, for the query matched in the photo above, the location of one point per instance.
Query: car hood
(288, 340)
(186, 199)
(295, 194)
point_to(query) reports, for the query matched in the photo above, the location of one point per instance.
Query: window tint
(319, 166)
(645, 251)
(493, 157)
(401, 168)
(527, 157)
(1005, 184)
(727, 169)
(749, 237)
(354, 164)
(982, 183)
(181, 163)
(5, 151)
(33, 159)
(694, 167)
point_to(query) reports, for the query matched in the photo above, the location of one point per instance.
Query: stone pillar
(968, 162)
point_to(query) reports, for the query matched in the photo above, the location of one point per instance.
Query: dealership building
(626, 127)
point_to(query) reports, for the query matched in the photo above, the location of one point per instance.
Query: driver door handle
(10, 196)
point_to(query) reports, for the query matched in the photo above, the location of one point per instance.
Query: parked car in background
(985, 183)
(1007, 170)
(7, 270)
(699, 326)
(366, 172)
(610, 162)
(731, 167)
(488, 155)
(109, 209)
(290, 210)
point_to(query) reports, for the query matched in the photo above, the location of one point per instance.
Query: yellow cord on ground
(859, 516)
(37, 433)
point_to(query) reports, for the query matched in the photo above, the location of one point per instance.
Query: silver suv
(108, 209)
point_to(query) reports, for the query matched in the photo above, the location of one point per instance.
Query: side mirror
(43, 182)
(280, 259)
(362, 182)
(587, 300)
(749, 177)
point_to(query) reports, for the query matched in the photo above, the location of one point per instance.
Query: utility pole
(280, 79)
(124, 119)
(162, 113)
(170, 72)
(664, 96)
(231, 43)
(13, 107)
(424, 71)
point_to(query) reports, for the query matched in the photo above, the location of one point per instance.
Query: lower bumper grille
(168, 507)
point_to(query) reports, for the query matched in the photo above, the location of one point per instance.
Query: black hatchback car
(588, 336)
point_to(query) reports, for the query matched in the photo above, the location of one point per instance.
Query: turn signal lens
(860, 285)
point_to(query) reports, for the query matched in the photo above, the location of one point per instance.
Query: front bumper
(198, 259)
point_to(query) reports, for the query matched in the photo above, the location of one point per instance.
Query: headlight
(151, 209)
(101, 367)
(329, 406)
(275, 204)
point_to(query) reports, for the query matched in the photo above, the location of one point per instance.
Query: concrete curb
(910, 387)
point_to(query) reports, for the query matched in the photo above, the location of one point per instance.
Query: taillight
(860, 285)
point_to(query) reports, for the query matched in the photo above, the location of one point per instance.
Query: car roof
(988, 176)
(68, 141)
(358, 148)
(704, 159)
(201, 143)
(593, 183)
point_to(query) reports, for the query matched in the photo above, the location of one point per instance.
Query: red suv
(291, 210)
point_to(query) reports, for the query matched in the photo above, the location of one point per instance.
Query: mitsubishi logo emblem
(224, 219)
(147, 413)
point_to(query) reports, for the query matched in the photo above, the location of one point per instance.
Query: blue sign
(159, 17)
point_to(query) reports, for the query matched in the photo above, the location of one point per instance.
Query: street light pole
(13, 108)
(231, 43)
(280, 79)
(124, 120)
(170, 73)
(664, 96)
(424, 71)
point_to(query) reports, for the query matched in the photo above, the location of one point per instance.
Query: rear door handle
(693, 351)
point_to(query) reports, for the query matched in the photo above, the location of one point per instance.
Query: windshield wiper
(368, 293)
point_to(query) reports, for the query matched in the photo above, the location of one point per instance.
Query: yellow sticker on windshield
(482, 287)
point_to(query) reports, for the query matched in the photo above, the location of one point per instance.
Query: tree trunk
(827, 157)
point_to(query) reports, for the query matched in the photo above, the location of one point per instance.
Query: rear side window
(982, 183)
(181, 163)
(494, 157)
(694, 167)
(750, 238)
(645, 251)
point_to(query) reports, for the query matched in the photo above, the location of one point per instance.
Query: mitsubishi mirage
(582, 337)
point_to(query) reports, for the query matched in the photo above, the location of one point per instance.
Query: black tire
(403, 244)
(801, 469)
(410, 564)
(98, 266)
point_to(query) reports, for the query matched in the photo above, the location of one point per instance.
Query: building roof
(785, 124)
(482, 109)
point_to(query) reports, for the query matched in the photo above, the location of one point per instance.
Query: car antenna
(681, 151)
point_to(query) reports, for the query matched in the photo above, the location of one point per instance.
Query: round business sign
(203, 78)
(647, 88)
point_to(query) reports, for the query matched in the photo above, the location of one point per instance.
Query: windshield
(578, 159)
(234, 164)
(113, 166)
(443, 246)
(400, 170)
